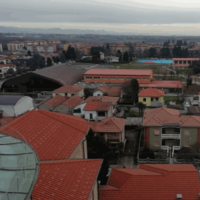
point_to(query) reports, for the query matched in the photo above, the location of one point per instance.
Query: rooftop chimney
(179, 196)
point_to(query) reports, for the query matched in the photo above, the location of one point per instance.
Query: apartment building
(183, 62)
(115, 48)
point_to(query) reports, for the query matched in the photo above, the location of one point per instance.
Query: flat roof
(185, 59)
(19, 168)
(163, 84)
(120, 72)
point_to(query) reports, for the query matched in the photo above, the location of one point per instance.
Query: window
(96, 78)
(112, 78)
(77, 110)
(186, 144)
(101, 114)
(113, 134)
(121, 78)
(176, 62)
(163, 130)
(88, 77)
(128, 78)
(138, 78)
(187, 132)
(189, 62)
(156, 98)
(176, 130)
(102, 134)
(144, 99)
(151, 99)
(156, 131)
(105, 78)
(65, 94)
(145, 79)
(156, 143)
(184, 62)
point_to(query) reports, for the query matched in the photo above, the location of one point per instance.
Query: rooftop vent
(179, 196)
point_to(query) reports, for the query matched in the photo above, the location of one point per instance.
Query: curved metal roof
(62, 73)
(19, 168)
(9, 99)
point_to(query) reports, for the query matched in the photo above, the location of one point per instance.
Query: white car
(187, 104)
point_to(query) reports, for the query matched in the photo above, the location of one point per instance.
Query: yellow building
(151, 97)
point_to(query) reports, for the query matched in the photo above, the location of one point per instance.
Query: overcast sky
(134, 16)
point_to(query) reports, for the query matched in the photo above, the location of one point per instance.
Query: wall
(192, 138)
(8, 111)
(154, 138)
(78, 153)
(81, 106)
(24, 105)
(87, 115)
(45, 107)
(80, 93)
(94, 193)
(148, 100)
(98, 93)
(64, 109)
(117, 80)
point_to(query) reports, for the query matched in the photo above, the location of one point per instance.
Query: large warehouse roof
(62, 74)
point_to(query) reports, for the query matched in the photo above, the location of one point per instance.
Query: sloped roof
(154, 182)
(55, 101)
(120, 72)
(163, 116)
(113, 100)
(162, 84)
(97, 106)
(67, 179)
(151, 92)
(72, 102)
(112, 91)
(52, 135)
(110, 124)
(68, 88)
(63, 74)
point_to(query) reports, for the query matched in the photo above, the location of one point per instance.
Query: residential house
(68, 179)
(112, 129)
(97, 110)
(151, 97)
(54, 136)
(153, 182)
(69, 90)
(5, 67)
(79, 109)
(52, 103)
(166, 129)
(111, 59)
(67, 107)
(111, 91)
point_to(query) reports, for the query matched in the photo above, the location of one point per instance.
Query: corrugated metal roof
(62, 74)
(9, 99)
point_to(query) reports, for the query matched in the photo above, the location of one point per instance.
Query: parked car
(187, 104)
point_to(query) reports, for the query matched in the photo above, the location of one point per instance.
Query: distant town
(99, 117)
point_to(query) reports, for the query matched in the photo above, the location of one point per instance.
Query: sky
(175, 17)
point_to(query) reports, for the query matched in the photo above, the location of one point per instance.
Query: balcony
(171, 136)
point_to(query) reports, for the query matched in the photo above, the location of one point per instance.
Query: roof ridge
(43, 112)
(157, 120)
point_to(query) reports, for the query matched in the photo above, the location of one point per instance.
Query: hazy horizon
(177, 17)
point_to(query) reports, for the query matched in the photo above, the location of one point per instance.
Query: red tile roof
(151, 92)
(72, 102)
(163, 84)
(120, 72)
(68, 179)
(68, 89)
(110, 124)
(52, 135)
(97, 106)
(161, 116)
(6, 120)
(112, 91)
(113, 100)
(153, 182)
(55, 101)
(185, 59)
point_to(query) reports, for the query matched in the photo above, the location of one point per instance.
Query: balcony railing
(171, 136)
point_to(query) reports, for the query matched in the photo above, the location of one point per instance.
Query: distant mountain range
(5, 29)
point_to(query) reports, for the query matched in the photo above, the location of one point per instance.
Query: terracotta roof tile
(151, 92)
(97, 106)
(69, 179)
(112, 91)
(161, 116)
(162, 84)
(55, 101)
(110, 124)
(52, 135)
(68, 89)
(154, 182)
(113, 100)
(72, 102)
